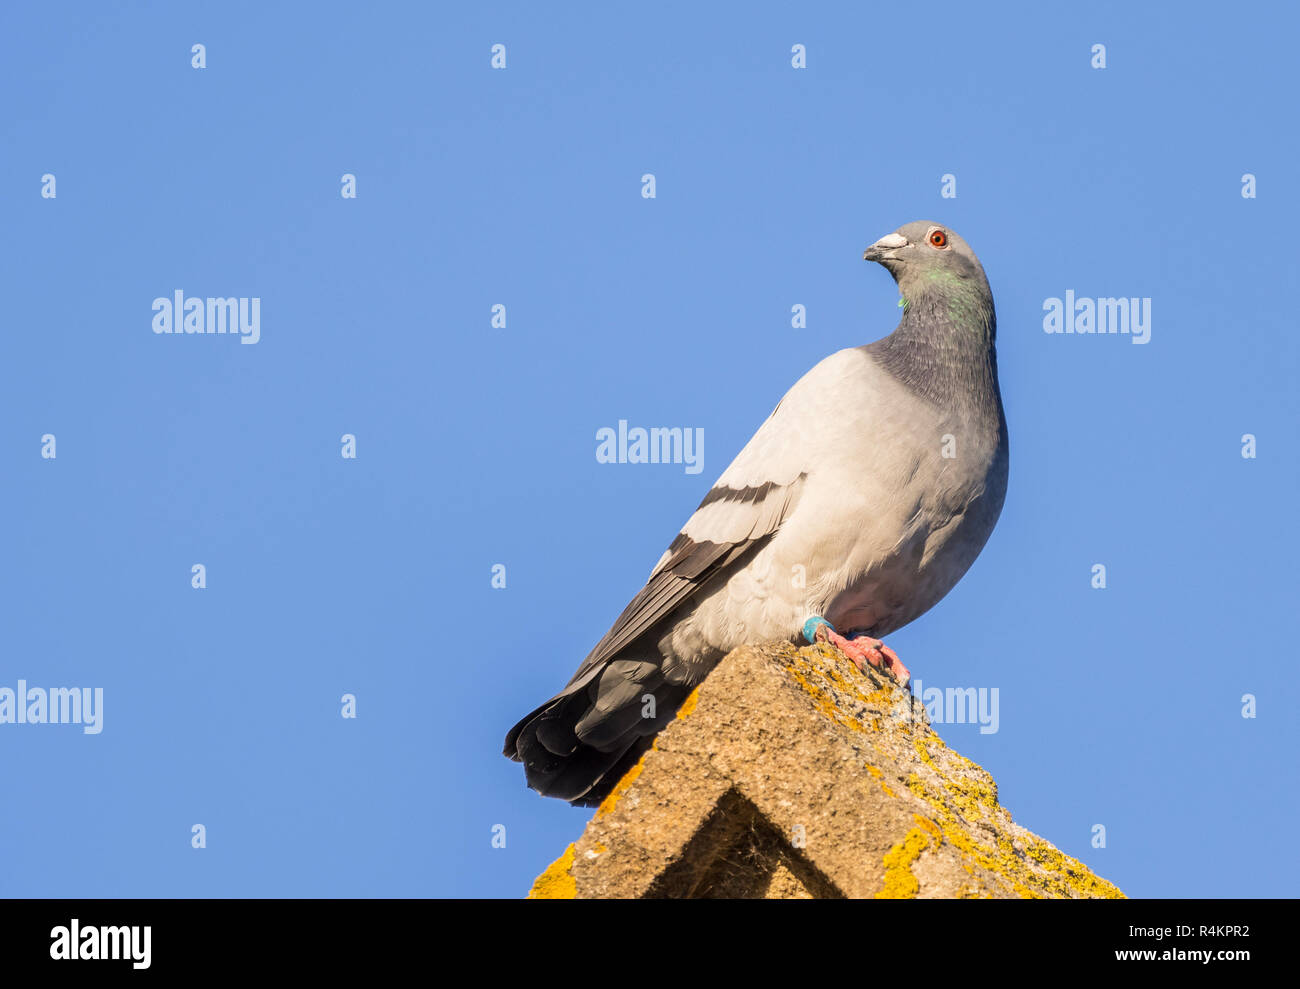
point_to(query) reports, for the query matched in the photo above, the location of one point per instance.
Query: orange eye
(938, 238)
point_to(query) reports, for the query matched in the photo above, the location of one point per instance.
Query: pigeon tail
(579, 744)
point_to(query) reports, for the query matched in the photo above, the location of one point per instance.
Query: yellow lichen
(826, 704)
(900, 884)
(879, 777)
(556, 883)
(1038, 871)
(962, 795)
(688, 705)
(628, 779)
(803, 673)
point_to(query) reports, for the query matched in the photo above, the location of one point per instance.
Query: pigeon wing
(743, 510)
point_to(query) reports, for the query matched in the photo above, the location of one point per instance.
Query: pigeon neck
(943, 348)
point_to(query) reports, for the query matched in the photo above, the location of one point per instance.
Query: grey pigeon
(854, 509)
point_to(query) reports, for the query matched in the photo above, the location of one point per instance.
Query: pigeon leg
(864, 649)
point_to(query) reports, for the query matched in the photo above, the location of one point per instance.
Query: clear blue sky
(476, 446)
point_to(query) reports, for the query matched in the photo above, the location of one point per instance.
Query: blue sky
(476, 445)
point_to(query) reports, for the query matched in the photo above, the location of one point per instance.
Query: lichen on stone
(556, 883)
(783, 741)
(900, 882)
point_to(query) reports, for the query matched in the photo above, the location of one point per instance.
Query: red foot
(864, 649)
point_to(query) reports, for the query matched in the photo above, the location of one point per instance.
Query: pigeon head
(943, 346)
(925, 257)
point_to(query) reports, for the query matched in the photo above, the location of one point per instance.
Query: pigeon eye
(938, 238)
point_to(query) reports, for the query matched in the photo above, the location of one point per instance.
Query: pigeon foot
(863, 649)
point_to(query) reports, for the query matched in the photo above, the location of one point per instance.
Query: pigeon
(859, 503)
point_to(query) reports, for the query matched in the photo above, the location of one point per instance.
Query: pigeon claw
(863, 650)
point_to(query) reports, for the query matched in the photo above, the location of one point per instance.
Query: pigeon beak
(882, 249)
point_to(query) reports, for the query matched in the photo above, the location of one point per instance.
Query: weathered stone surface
(789, 774)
